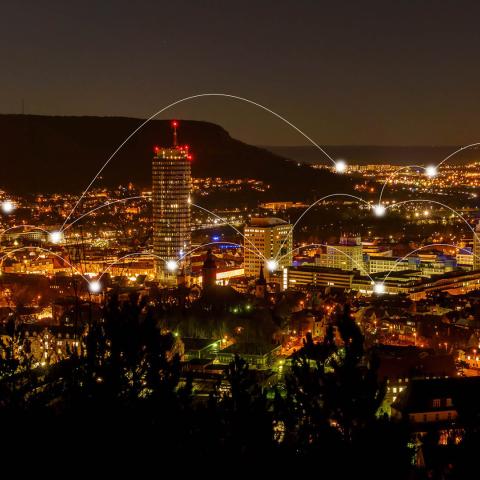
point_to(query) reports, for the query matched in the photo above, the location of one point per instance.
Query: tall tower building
(268, 237)
(171, 178)
(476, 247)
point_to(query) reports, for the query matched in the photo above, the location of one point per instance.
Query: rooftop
(266, 221)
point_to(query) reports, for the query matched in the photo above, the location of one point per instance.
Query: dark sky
(358, 72)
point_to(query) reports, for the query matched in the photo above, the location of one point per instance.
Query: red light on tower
(174, 126)
(190, 157)
(156, 149)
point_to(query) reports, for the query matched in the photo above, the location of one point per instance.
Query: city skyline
(173, 295)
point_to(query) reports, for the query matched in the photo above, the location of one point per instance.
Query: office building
(171, 175)
(346, 255)
(267, 239)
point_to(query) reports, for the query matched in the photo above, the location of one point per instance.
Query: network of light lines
(379, 209)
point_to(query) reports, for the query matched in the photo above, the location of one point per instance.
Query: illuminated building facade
(476, 247)
(268, 237)
(171, 176)
(346, 255)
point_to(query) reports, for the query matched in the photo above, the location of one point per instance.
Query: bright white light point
(379, 210)
(340, 166)
(172, 265)
(272, 265)
(431, 171)
(379, 288)
(95, 286)
(8, 206)
(56, 237)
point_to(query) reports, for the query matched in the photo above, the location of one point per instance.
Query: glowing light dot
(95, 286)
(272, 265)
(379, 288)
(379, 210)
(8, 206)
(340, 166)
(56, 237)
(171, 265)
(431, 171)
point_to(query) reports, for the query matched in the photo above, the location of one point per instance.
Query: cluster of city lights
(8, 207)
(172, 265)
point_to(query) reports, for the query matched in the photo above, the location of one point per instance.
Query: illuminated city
(171, 282)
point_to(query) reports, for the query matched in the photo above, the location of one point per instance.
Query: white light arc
(6, 255)
(107, 204)
(311, 206)
(185, 99)
(437, 203)
(360, 267)
(32, 227)
(458, 151)
(393, 174)
(230, 225)
(421, 248)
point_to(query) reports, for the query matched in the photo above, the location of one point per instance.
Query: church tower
(209, 271)
(261, 285)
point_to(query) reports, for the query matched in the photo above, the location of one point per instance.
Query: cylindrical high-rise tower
(171, 175)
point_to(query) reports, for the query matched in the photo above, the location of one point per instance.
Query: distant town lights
(379, 288)
(379, 210)
(95, 286)
(55, 237)
(171, 265)
(340, 166)
(7, 206)
(272, 265)
(431, 171)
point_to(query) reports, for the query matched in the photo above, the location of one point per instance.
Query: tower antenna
(174, 126)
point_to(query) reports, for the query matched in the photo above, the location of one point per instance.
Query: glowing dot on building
(171, 265)
(379, 210)
(7, 206)
(95, 286)
(55, 237)
(379, 288)
(272, 265)
(431, 171)
(340, 166)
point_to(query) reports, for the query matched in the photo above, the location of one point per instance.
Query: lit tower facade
(476, 247)
(172, 180)
(268, 237)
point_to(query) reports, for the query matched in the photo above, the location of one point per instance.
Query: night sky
(359, 72)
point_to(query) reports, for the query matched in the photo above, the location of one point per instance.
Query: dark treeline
(124, 400)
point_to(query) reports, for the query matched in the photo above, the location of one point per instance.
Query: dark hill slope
(62, 154)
